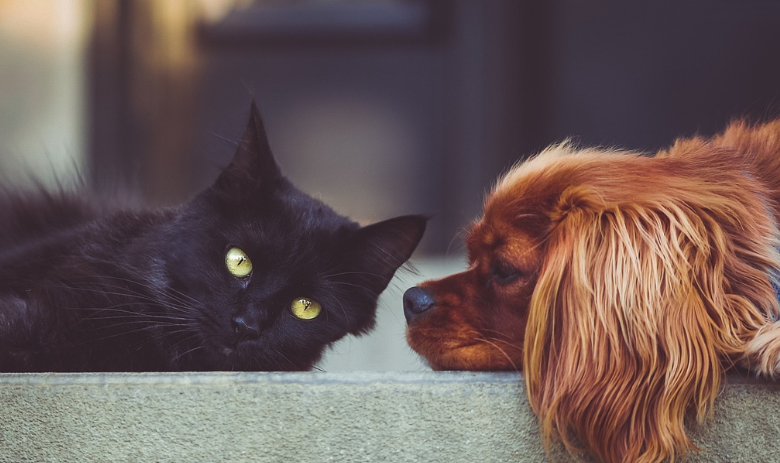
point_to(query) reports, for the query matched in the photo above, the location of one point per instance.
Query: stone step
(321, 417)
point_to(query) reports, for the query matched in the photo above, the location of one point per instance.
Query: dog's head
(476, 320)
(618, 282)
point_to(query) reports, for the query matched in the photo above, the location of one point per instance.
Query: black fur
(88, 289)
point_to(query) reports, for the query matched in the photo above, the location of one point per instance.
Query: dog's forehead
(481, 235)
(486, 234)
(497, 233)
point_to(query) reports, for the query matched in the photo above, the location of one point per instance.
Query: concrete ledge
(320, 417)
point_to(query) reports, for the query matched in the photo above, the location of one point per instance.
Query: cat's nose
(244, 329)
(417, 301)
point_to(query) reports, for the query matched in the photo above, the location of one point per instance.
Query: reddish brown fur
(640, 281)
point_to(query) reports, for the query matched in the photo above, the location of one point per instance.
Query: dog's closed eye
(503, 273)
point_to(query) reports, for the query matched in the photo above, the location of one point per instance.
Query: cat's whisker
(105, 313)
(112, 307)
(343, 310)
(232, 141)
(280, 354)
(150, 324)
(331, 275)
(193, 335)
(178, 296)
(211, 317)
(188, 352)
(390, 257)
(373, 293)
(182, 297)
(182, 309)
(114, 293)
(126, 320)
(327, 273)
(171, 293)
(168, 334)
(116, 309)
(124, 333)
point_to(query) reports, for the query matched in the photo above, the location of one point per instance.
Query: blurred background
(377, 107)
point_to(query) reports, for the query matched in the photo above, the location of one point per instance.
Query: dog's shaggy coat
(623, 285)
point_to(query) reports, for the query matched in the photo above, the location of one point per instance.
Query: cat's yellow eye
(305, 309)
(238, 263)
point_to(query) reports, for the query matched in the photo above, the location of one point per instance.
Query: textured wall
(319, 417)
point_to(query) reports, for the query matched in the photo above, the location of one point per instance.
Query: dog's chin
(452, 355)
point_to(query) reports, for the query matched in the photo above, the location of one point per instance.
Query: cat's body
(89, 288)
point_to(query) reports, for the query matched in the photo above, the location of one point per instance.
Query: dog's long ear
(628, 325)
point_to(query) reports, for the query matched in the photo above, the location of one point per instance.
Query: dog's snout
(416, 302)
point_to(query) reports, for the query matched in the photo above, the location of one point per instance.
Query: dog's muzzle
(417, 301)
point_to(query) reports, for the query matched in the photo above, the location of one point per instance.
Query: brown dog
(622, 285)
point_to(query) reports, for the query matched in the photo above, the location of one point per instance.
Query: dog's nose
(416, 302)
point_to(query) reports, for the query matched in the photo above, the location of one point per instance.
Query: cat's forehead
(297, 222)
(285, 220)
(299, 212)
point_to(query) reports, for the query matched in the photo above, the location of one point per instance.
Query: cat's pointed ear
(383, 247)
(253, 166)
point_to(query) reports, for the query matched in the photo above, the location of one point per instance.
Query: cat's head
(270, 276)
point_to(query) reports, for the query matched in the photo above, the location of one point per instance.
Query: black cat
(251, 274)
